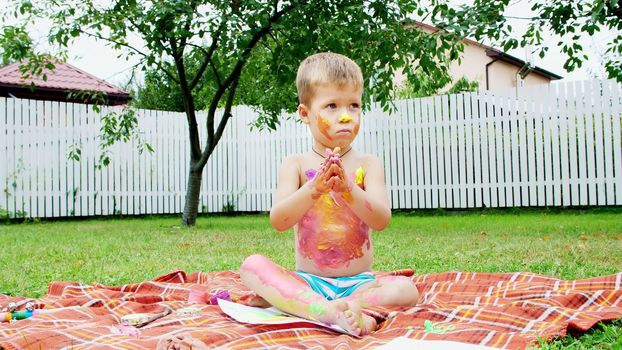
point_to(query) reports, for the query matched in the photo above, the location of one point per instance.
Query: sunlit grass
(567, 244)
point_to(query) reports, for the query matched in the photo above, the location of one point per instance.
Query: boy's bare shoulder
(370, 160)
(292, 162)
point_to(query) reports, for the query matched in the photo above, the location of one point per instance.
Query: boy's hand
(328, 169)
(338, 181)
(320, 182)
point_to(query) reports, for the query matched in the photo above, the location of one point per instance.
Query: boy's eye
(355, 106)
(332, 105)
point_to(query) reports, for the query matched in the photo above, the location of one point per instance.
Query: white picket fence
(555, 145)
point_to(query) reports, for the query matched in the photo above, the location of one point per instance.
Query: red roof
(64, 78)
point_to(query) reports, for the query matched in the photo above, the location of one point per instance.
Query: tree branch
(140, 53)
(216, 74)
(226, 115)
(235, 74)
(208, 56)
(186, 96)
(616, 11)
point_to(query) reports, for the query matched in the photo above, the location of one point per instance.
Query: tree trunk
(193, 193)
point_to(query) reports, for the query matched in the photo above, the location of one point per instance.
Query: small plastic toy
(220, 295)
(188, 311)
(138, 320)
(17, 315)
(10, 312)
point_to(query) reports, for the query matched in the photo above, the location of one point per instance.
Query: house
(64, 80)
(491, 68)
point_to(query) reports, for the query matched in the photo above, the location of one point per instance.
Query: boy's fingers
(329, 183)
(335, 167)
(333, 181)
(338, 171)
(335, 170)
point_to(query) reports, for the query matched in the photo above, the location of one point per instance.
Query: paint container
(137, 320)
(188, 311)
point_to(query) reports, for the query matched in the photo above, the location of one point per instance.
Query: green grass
(568, 244)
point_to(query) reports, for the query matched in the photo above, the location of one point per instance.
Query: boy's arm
(290, 201)
(372, 204)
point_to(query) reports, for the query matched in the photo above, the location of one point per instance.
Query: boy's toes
(369, 324)
(341, 306)
(348, 323)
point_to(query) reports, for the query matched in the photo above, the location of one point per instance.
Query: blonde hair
(326, 68)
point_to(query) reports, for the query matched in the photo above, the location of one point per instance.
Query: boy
(332, 195)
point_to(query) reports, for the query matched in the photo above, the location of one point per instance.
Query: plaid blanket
(503, 310)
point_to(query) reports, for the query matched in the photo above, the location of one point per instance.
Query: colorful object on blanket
(188, 311)
(10, 312)
(10, 307)
(16, 315)
(199, 296)
(141, 319)
(436, 328)
(129, 331)
(224, 295)
(135, 320)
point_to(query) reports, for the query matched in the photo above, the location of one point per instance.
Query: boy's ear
(303, 112)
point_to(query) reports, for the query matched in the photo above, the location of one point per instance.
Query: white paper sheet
(256, 315)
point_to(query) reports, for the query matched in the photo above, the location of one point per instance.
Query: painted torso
(331, 240)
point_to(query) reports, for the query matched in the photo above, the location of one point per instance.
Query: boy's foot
(181, 342)
(257, 301)
(348, 316)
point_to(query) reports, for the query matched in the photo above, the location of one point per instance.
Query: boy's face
(333, 114)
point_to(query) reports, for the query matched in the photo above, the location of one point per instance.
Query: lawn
(569, 244)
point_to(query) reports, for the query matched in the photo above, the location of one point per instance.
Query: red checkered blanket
(504, 310)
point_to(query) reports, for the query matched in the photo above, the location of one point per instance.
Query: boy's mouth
(344, 131)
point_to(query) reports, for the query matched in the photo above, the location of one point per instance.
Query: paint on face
(324, 126)
(368, 206)
(286, 219)
(331, 235)
(345, 118)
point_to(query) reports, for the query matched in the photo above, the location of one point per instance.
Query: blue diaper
(336, 287)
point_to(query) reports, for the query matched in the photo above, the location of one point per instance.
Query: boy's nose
(345, 118)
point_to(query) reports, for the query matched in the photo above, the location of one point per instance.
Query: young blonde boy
(333, 196)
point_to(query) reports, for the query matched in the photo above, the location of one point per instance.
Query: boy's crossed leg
(386, 291)
(290, 293)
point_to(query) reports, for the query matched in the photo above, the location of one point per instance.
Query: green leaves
(15, 44)
(203, 55)
(570, 20)
(118, 126)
